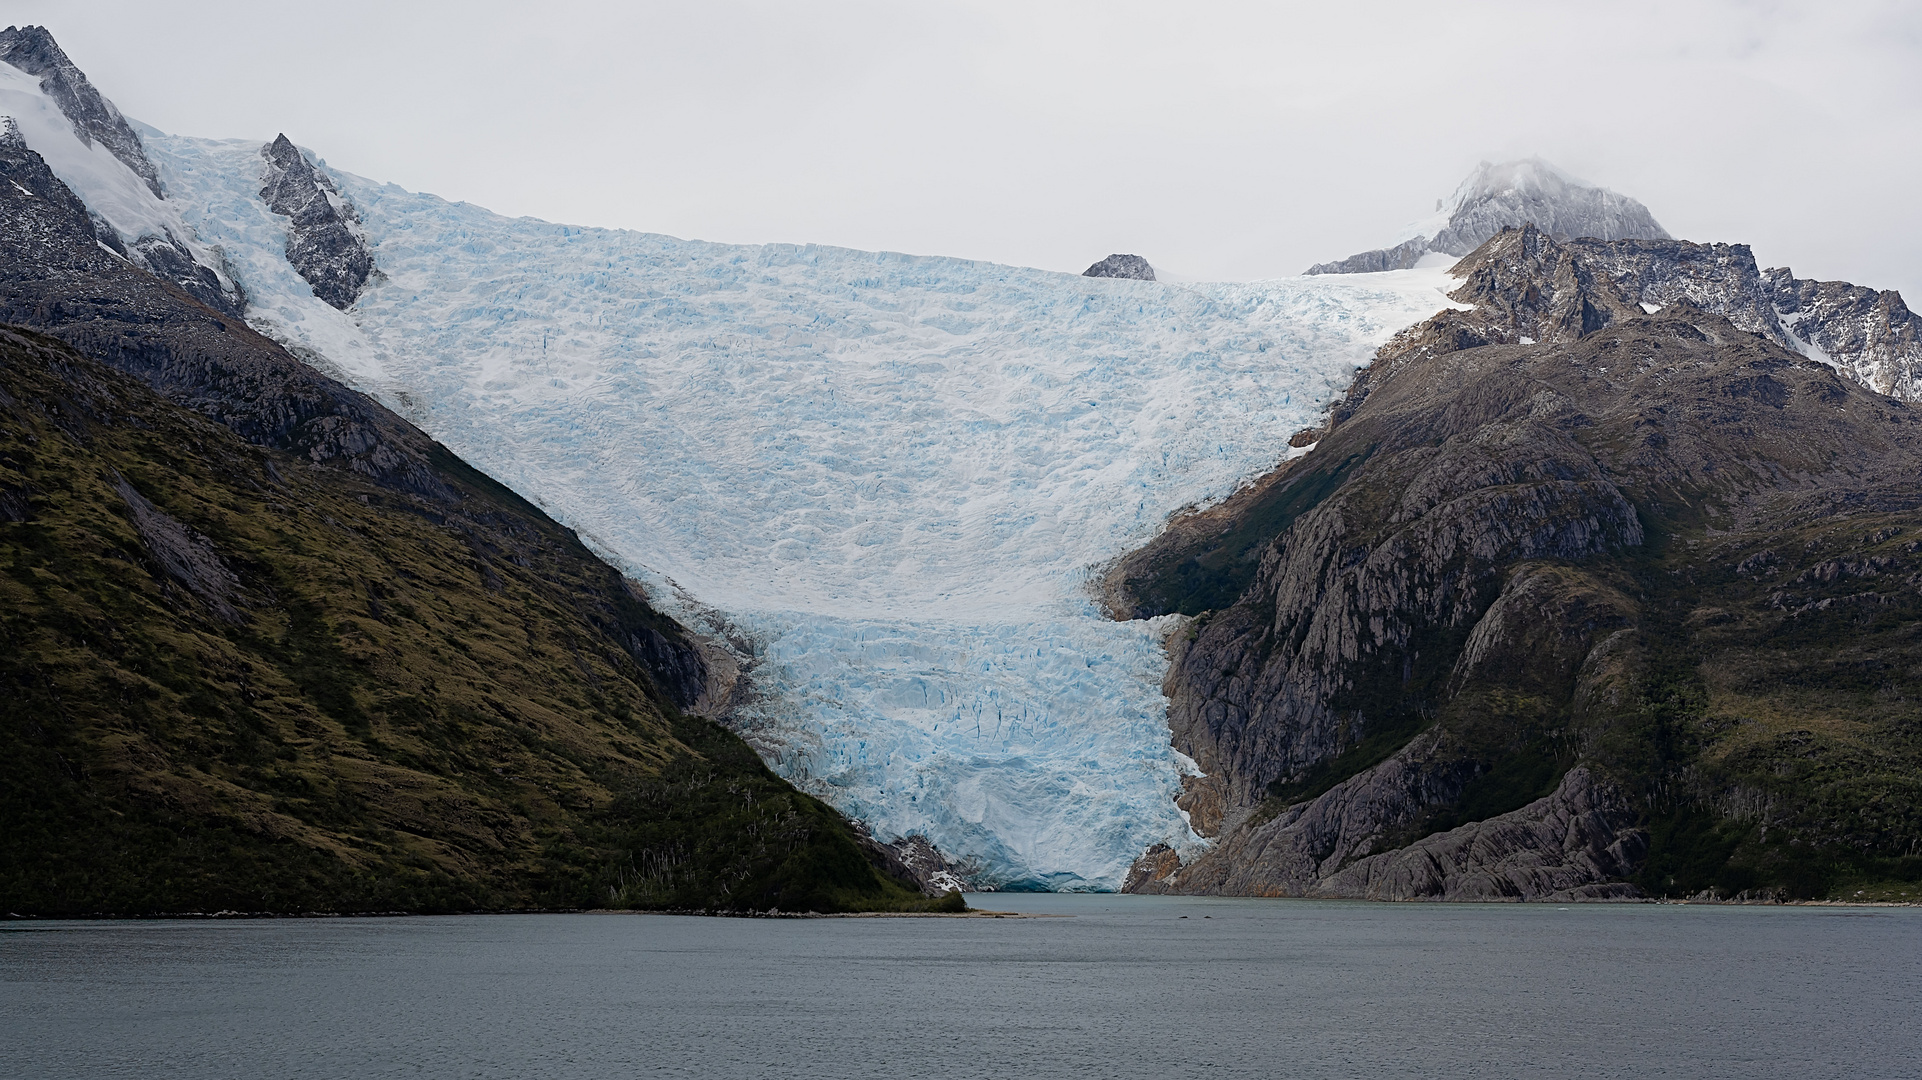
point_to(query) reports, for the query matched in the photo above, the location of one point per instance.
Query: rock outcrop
(1580, 842)
(1122, 266)
(1400, 257)
(1527, 285)
(325, 242)
(1871, 335)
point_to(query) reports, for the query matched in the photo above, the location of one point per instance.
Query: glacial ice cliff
(884, 478)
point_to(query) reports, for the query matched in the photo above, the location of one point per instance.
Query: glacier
(883, 481)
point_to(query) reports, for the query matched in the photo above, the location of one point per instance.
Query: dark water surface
(1125, 988)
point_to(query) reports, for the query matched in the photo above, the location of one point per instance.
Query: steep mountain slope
(32, 50)
(1569, 600)
(231, 679)
(882, 477)
(264, 646)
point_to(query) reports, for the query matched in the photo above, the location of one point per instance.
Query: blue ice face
(885, 479)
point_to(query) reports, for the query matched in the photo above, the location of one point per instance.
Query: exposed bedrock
(1577, 843)
(1122, 266)
(1871, 335)
(325, 242)
(1400, 257)
(1528, 285)
(1424, 657)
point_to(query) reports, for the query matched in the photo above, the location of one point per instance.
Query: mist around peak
(1505, 195)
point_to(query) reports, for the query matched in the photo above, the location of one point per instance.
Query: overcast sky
(1222, 141)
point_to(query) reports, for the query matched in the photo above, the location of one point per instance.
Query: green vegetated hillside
(234, 678)
(1656, 554)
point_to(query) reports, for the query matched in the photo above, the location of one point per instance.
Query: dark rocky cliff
(1629, 606)
(324, 239)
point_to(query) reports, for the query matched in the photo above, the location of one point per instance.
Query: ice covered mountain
(883, 478)
(1508, 195)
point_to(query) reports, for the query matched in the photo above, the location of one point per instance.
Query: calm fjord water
(1127, 987)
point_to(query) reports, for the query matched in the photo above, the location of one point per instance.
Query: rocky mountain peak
(1531, 288)
(1531, 191)
(1507, 195)
(1122, 266)
(94, 118)
(325, 242)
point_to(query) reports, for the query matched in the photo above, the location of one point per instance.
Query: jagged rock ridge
(1122, 266)
(93, 119)
(1509, 195)
(33, 50)
(1872, 335)
(325, 242)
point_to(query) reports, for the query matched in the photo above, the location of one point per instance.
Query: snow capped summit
(1509, 195)
(33, 50)
(96, 153)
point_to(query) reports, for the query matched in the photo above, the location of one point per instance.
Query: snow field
(113, 192)
(887, 477)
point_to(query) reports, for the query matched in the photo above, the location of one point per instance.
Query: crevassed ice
(887, 477)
